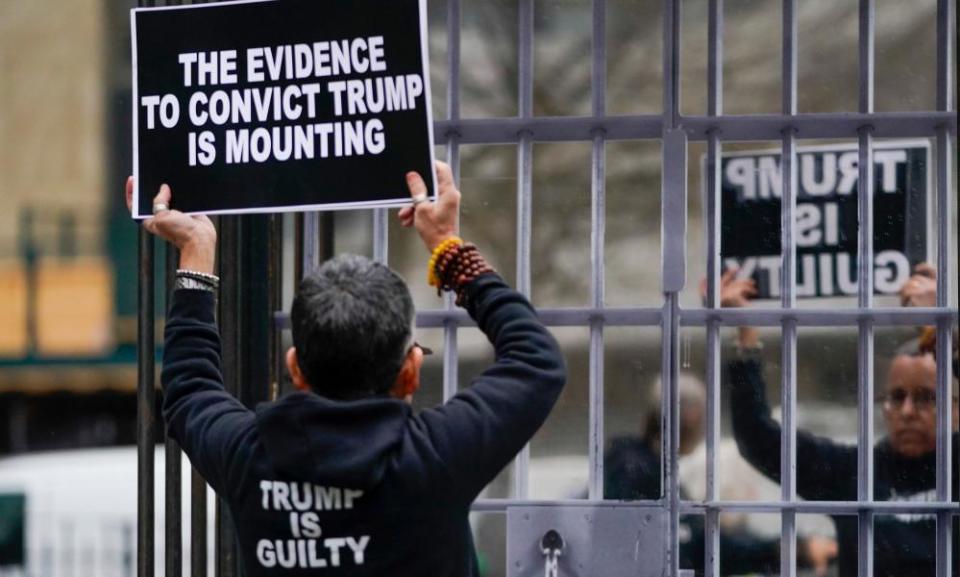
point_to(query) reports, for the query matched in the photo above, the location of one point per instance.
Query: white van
(74, 514)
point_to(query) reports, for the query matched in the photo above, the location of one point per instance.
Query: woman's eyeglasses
(922, 400)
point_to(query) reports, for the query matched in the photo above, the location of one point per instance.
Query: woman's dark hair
(351, 323)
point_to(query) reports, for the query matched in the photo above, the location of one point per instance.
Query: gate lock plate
(585, 541)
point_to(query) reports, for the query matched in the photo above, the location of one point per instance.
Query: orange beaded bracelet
(441, 248)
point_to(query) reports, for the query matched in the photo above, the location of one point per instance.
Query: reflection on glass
(906, 57)
(751, 57)
(560, 243)
(562, 57)
(488, 210)
(488, 62)
(827, 56)
(632, 245)
(634, 57)
(558, 452)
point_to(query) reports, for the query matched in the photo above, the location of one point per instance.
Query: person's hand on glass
(436, 221)
(737, 293)
(193, 235)
(734, 292)
(920, 290)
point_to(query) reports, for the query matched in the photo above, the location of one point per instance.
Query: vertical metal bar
(146, 406)
(671, 63)
(712, 553)
(453, 59)
(450, 355)
(275, 287)
(865, 352)
(945, 155)
(173, 535)
(673, 256)
(597, 229)
(146, 397)
(311, 242)
(788, 457)
(673, 265)
(380, 232)
(198, 524)
(945, 54)
(450, 366)
(865, 341)
(298, 247)
(670, 408)
(789, 56)
(231, 360)
(867, 52)
(521, 468)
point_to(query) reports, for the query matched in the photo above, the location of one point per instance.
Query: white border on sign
(135, 209)
(428, 89)
(393, 203)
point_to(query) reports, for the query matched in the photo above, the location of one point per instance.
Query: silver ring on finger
(160, 207)
(419, 198)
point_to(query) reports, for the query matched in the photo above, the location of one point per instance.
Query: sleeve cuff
(193, 304)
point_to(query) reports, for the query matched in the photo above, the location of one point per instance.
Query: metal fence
(676, 132)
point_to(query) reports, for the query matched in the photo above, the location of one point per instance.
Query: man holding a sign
(342, 476)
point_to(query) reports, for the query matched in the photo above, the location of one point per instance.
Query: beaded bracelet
(440, 249)
(457, 266)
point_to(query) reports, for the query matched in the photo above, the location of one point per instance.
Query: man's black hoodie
(365, 487)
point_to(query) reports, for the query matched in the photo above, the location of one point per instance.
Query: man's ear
(408, 379)
(296, 375)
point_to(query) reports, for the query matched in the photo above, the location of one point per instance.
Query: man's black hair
(351, 323)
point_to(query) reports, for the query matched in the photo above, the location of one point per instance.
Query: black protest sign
(826, 228)
(281, 105)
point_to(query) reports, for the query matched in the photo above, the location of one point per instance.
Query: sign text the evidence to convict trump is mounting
(826, 229)
(257, 106)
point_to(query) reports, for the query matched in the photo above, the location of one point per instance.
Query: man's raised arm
(483, 427)
(208, 422)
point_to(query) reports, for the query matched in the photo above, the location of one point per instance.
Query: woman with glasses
(904, 461)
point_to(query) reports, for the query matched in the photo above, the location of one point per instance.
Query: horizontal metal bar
(650, 316)
(501, 505)
(729, 128)
(699, 507)
(548, 128)
(817, 317)
(825, 507)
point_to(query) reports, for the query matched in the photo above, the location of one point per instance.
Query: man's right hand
(435, 221)
(193, 235)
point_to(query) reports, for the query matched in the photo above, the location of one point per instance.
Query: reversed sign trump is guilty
(826, 227)
(279, 105)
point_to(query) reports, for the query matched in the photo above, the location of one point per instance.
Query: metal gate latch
(551, 545)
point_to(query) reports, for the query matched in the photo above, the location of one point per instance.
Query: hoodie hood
(345, 443)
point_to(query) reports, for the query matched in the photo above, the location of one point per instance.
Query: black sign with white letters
(826, 217)
(280, 105)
